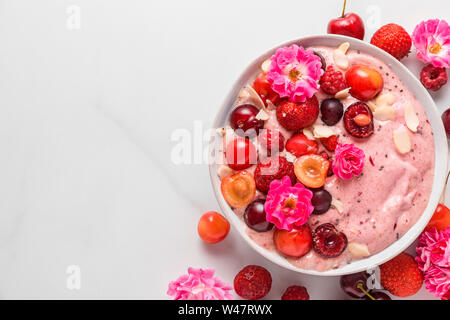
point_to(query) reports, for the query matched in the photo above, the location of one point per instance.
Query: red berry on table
(446, 296)
(255, 216)
(241, 154)
(321, 201)
(294, 243)
(393, 39)
(273, 168)
(401, 276)
(332, 81)
(299, 145)
(355, 284)
(295, 116)
(364, 82)
(433, 78)
(271, 140)
(253, 282)
(239, 189)
(330, 143)
(244, 118)
(352, 127)
(328, 241)
(331, 111)
(440, 219)
(295, 293)
(446, 121)
(213, 227)
(348, 24)
(262, 87)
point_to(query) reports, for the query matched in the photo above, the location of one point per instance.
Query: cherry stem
(343, 10)
(361, 287)
(445, 187)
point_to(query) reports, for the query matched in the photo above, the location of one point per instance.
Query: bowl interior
(440, 142)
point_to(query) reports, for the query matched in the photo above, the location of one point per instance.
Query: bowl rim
(440, 163)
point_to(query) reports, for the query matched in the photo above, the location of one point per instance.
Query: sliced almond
(385, 99)
(338, 205)
(222, 131)
(270, 105)
(343, 94)
(266, 65)
(344, 47)
(224, 171)
(308, 133)
(321, 131)
(262, 115)
(372, 105)
(402, 140)
(384, 113)
(290, 157)
(359, 250)
(249, 95)
(411, 118)
(340, 59)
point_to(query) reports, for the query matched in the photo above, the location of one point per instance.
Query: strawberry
(298, 115)
(393, 39)
(330, 143)
(295, 293)
(252, 282)
(274, 168)
(401, 276)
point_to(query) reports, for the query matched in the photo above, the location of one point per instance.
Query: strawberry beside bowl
(436, 183)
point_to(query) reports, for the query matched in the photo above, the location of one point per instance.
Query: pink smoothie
(382, 204)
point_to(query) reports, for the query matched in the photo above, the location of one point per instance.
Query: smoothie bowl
(329, 156)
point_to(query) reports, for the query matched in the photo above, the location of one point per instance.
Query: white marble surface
(86, 119)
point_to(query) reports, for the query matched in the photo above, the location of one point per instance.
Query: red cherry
(446, 121)
(349, 24)
(244, 118)
(440, 219)
(241, 154)
(262, 87)
(294, 243)
(365, 82)
(213, 227)
(299, 145)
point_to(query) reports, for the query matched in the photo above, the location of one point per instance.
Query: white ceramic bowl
(440, 142)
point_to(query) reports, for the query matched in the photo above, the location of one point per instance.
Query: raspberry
(433, 78)
(401, 276)
(332, 81)
(296, 116)
(273, 168)
(295, 293)
(446, 296)
(393, 39)
(330, 143)
(252, 282)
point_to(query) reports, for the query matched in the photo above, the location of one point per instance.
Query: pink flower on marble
(432, 41)
(286, 205)
(199, 284)
(348, 161)
(294, 73)
(433, 258)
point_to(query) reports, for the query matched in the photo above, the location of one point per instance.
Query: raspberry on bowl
(332, 81)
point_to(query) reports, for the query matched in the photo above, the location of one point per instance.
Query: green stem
(343, 10)
(445, 188)
(361, 287)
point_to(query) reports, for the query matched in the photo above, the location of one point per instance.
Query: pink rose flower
(199, 284)
(294, 73)
(348, 161)
(286, 205)
(433, 258)
(432, 41)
